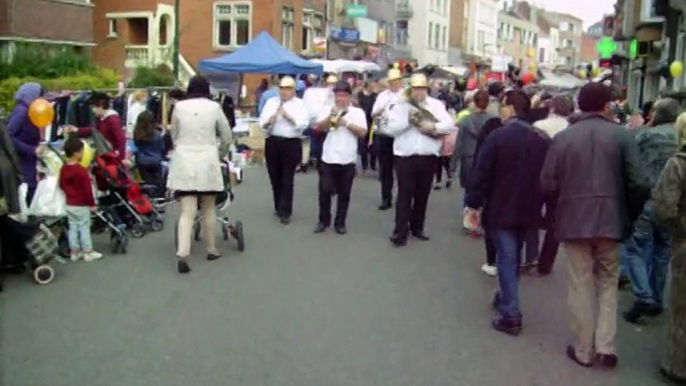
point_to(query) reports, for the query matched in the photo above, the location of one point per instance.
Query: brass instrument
(418, 113)
(335, 117)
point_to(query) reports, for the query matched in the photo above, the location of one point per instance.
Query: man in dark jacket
(648, 267)
(593, 171)
(505, 184)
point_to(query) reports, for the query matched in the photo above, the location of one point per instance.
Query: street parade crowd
(607, 185)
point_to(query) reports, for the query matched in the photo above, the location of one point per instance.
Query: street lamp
(177, 12)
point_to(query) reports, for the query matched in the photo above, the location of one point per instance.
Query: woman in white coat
(195, 170)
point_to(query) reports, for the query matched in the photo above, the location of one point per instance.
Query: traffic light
(605, 63)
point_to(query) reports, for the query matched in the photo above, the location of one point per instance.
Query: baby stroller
(223, 201)
(28, 244)
(124, 198)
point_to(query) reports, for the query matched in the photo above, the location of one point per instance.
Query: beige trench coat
(195, 164)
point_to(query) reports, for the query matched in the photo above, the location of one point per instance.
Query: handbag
(100, 143)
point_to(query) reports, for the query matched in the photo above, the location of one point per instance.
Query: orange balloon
(41, 113)
(528, 78)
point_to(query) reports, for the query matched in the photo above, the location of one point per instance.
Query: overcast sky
(590, 11)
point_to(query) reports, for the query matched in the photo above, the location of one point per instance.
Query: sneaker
(449, 184)
(437, 186)
(489, 270)
(75, 257)
(90, 256)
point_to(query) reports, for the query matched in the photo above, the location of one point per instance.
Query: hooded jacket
(25, 135)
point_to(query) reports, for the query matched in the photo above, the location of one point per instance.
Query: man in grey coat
(468, 135)
(593, 171)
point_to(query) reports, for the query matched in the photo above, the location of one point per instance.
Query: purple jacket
(25, 135)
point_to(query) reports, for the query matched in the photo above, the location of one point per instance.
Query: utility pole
(177, 13)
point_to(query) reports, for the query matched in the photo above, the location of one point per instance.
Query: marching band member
(318, 99)
(383, 143)
(344, 124)
(284, 118)
(417, 124)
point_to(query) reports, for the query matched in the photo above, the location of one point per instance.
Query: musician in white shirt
(318, 99)
(284, 118)
(344, 124)
(417, 125)
(382, 142)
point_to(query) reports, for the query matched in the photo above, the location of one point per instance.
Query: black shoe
(285, 220)
(320, 228)
(448, 184)
(398, 240)
(571, 354)
(421, 236)
(385, 206)
(437, 187)
(212, 256)
(183, 266)
(624, 282)
(640, 309)
(608, 361)
(341, 230)
(672, 378)
(508, 326)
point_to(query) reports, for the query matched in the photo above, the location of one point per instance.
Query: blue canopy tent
(263, 55)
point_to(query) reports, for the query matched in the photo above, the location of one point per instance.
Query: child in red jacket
(76, 185)
(108, 123)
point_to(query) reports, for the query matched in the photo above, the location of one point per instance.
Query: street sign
(606, 47)
(356, 10)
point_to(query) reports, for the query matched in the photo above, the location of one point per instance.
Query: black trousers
(283, 157)
(383, 146)
(367, 155)
(415, 175)
(338, 180)
(550, 242)
(443, 164)
(490, 248)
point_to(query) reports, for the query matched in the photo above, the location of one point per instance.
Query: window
(112, 28)
(431, 34)
(480, 40)
(445, 38)
(232, 22)
(437, 36)
(287, 27)
(564, 26)
(313, 26)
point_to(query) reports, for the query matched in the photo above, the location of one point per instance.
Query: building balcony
(144, 55)
(403, 10)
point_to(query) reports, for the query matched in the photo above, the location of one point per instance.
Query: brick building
(46, 21)
(129, 33)
(458, 31)
(589, 52)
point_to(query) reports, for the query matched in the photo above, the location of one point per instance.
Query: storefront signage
(344, 34)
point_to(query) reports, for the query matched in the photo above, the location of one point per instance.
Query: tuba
(418, 113)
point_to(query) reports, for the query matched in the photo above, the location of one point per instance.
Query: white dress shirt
(552, 125)
(408, 139)
(317, 99)
(282, 128)
(383, 103)
(340, 145)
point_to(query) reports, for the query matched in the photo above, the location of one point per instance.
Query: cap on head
(394, 74)
(332, 79)
(342, 86)
(287, 82)
(419, 81)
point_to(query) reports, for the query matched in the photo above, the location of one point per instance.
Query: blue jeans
(508, 244)
(79, 218)
(648, 271)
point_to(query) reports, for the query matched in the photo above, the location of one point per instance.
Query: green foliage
(44, 61)
(96, 79)
(161, 76)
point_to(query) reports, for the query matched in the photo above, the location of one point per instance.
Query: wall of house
(459, 21)
(589, 52)
(47, 20)
(425, 16)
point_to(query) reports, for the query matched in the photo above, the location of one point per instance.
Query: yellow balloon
(88, 155)
(530, 52)
(396, 65)
(596, 71)
(676, 68)
(582, 74)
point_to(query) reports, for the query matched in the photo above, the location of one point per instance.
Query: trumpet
(418, 113)
(335, 117)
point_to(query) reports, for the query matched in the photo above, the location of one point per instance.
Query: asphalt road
(297, 309)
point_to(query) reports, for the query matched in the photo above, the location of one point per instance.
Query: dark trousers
(550, 242)
(338, 180)
(415, 174)
(490, 248)
(283, 157)
(443, 164)
(383, 146)
(367, 155)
